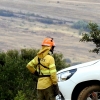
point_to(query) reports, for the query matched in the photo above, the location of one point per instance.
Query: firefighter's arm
(53, 75)
(31, 66)
(53, 72)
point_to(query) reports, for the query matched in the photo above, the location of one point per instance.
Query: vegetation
(92, 36)
(6, 13)
(81, 25)
(30, 17)
(16, 82)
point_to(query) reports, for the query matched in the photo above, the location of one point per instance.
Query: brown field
(18, 32)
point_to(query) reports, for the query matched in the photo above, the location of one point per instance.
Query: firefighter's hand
(35, 76)
(36, 73)
(56, 89)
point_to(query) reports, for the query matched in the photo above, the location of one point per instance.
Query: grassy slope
(16, 33)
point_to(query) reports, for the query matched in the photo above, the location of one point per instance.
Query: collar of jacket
(43, 51)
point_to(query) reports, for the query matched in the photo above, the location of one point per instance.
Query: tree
(92, 36)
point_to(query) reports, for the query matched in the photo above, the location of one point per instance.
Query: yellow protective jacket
(48, 61)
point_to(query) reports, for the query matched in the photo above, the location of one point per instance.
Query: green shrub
(20, 96)
(81, 25)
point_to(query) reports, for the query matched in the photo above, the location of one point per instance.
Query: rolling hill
(24, 24)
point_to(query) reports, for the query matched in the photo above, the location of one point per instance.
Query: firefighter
(43, 66)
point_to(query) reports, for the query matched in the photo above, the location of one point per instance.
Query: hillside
(23, 27)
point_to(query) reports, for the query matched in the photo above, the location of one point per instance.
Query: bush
(20, 96)
(81, 25)
(6, 13)
(46, 21)
(59, 61)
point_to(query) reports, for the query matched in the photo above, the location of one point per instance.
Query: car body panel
(69, 87)
(85, 72)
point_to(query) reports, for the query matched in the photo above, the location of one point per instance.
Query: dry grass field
(26, 32)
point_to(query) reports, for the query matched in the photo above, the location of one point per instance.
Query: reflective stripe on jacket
(48, 61)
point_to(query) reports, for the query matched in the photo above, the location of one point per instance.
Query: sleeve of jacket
(31, 65)
(53, 71)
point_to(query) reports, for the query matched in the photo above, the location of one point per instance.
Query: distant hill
(24, 24)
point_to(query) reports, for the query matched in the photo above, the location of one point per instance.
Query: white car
(80, 82)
